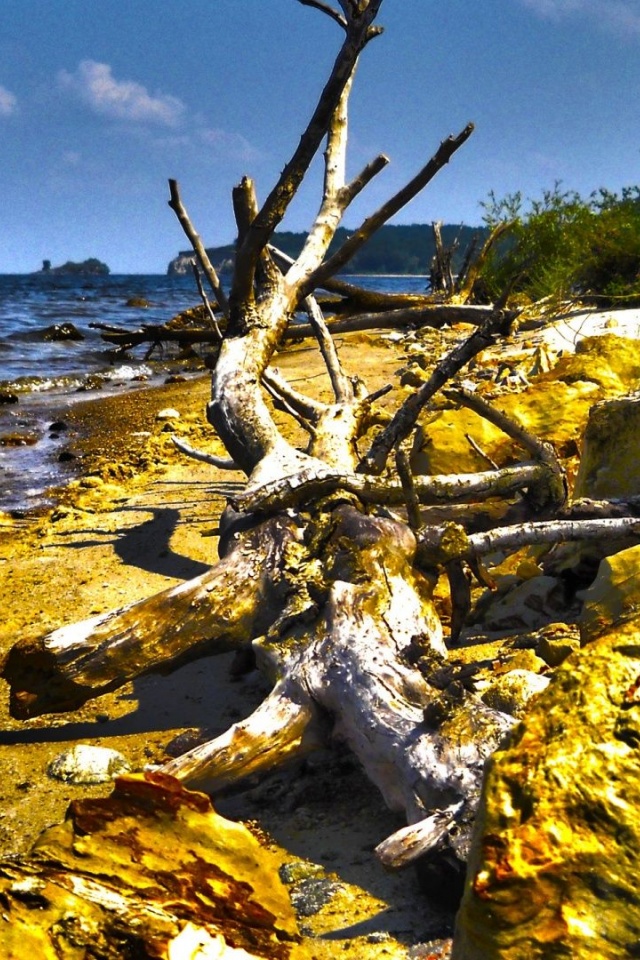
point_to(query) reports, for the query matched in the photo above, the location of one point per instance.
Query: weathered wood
(213, 613)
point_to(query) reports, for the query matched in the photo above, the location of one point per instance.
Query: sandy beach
(140, 517)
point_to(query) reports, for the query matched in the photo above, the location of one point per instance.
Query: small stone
(168, 414)
(298, 870)
(18, 439)
(511, 692)
(310, 896)
(86, 764)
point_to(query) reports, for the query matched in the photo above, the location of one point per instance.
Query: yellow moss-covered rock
(151, 871)
(555, 858)
(610, 361)
(558, 416)
(602, 367)
(611, 450)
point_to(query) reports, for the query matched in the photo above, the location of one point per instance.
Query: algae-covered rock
(611, 450)
(151, 871)
(602, 367)
(557, 415)
(511, 692)
(555, 858)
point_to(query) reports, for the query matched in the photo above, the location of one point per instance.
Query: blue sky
(102, 100)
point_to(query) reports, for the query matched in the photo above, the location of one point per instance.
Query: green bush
(564, 246)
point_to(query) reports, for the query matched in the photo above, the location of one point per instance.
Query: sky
(101, 101)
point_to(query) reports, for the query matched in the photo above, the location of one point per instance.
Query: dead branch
(360, 236)
(403, 422)
(221, 463)
(319, 480)
(175, 202)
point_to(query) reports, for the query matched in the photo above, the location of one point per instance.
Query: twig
(222, 463)
(205, 300)
(408, 489)
(481, 453)
(325, 8)
(178, 208)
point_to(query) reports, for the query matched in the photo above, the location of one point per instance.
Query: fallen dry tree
(327, 564)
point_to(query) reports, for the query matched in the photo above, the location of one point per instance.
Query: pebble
(84, 764)
(168, 414)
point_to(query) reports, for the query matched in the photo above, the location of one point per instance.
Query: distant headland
(90, 266)
(394, 249)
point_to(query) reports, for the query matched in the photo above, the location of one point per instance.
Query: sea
(40, 374)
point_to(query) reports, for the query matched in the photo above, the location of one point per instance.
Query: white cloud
(8, 102)
(225, 144)
(96, 86)
(620, 16)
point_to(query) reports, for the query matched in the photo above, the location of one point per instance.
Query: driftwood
(330, 587)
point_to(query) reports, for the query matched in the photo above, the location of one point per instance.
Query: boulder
(611, 450)
(602, 367)
(151, 871)
(555, 858)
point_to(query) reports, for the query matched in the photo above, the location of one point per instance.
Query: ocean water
(46, 375)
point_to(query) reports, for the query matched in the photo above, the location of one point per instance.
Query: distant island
(401, 249)
(90, 266)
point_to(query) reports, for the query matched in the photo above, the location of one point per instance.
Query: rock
(17, 439)
(91, 266)
(556, 642)
(555, 857)
(87, 764)
(526, 606)
(611, 450)
(151, 871)
(511, 692)
(8, 397)
(62, 331)
(168, 414)
(602, 367)
(310, 896)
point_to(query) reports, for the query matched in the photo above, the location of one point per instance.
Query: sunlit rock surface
(554, 406)
(151, 871)
(555, 859)
(611, 450)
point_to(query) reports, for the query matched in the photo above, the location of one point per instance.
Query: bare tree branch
(450, 540)
(222, 463)
(205, 301)
(405, 418)
(275, 206)
(318, 480)
(325, 8)
(360, 236)
(537, 448)
(178, 208)
(342, 389)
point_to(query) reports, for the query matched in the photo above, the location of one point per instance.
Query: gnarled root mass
(336, 609)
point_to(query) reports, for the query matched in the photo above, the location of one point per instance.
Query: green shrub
(564, 246)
